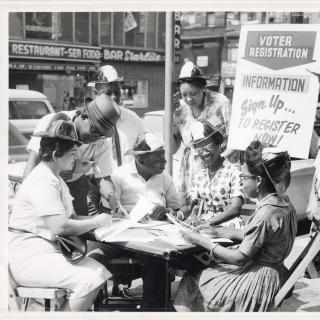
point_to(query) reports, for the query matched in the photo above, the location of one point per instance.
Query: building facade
(57, 53)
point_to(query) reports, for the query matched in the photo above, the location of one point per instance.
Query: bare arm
(176, 142)
(231, 212)
(59, 224)
(226, 255)
(33, 160)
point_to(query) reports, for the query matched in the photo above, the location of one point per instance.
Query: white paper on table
(141, 209)
(131, 235)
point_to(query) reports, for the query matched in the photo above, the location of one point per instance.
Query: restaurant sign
(19, 49)
(132, 55)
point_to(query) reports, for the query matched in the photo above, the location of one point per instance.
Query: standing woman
(43, 208)
(249, 277)
(197, 104)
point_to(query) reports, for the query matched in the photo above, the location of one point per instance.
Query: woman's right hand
(102, 220)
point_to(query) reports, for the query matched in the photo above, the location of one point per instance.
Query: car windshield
(27, 109)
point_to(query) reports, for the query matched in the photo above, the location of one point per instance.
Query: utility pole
(168, 115)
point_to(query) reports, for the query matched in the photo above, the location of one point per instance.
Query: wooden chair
(302, 263)
(48, 294)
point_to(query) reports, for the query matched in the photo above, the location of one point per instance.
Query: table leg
(167, 299)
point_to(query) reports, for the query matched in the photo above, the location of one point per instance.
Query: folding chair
(48, 294)
(300, 265)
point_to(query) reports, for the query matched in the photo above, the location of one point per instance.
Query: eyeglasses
(206, 149)
(244, 177)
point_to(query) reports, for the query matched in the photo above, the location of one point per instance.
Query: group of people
(127, 163)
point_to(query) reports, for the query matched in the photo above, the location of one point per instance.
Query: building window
(82, 27)
(65, 26)
(232, 52)
(118, 29)
(105, 28)
(134, 93)
(39, 25)
(151, 29)
(16, 24)
(191, 20)
(215, 19)
(161, 30)
(134, 37)
(94, 29)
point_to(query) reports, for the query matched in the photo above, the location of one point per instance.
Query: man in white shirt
(128, 128)
(92, 125)
(145, 176)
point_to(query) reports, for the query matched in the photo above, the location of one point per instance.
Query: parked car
(302, 171)
(17, 156)
(26, 107)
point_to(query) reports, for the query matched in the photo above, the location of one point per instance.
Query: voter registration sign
(275, 94)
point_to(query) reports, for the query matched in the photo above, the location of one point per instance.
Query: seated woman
(217, 184)
(248, 278)
(43, 208)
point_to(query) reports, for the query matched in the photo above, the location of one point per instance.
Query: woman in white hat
(249, 277)
(197, 104)
(43, 208)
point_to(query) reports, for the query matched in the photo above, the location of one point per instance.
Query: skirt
(251, 287)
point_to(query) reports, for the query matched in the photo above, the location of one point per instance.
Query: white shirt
(41, 194)
(96, 155)
(130, 186)
(129, 127)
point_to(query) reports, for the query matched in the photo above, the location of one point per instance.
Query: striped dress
(268, 239)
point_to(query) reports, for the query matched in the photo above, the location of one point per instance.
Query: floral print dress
(218, 191)
(217, 110)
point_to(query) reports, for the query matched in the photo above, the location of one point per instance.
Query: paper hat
(61, 129)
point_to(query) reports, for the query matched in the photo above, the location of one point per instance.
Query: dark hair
(217, 137)
(198, 82)
(254, 162)
(49, 145)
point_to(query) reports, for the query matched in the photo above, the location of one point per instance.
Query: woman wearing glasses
(216, 194)
(43, 208)
(249, 277)
(196, 103)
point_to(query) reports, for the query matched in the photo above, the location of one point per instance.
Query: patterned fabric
(268, 240)
(218, 191)
(217, 110)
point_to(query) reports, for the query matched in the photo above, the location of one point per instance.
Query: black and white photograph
(162, 161)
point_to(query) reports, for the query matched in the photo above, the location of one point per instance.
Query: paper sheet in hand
(142, 208)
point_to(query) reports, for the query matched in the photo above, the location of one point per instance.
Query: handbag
(73, 248)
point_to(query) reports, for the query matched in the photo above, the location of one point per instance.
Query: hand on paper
(102, 220)
(192, 237)
(159, 213)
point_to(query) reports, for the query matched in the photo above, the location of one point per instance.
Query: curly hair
(197, 82)
(49, 145)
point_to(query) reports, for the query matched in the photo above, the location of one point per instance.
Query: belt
(17, 230)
